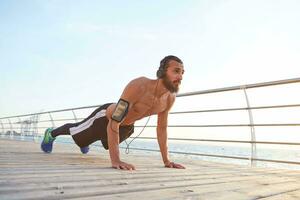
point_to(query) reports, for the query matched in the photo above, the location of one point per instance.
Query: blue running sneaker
(85, 150)
(47, 142)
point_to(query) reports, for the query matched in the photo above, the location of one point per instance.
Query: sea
(200, 151)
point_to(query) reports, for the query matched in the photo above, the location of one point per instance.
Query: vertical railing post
(35, 128)
(75, 118)
(252, 128)
(30, 126)
(21, 131)
(11, 129)
(52, 121)
(3, 131)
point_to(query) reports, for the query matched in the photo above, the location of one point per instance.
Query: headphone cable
(128, 144)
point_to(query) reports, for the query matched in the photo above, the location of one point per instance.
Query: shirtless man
(113, 123)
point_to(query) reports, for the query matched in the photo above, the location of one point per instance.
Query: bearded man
(113, 123)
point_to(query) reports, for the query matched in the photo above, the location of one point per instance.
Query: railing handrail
(52, 111)
(247, 86)
(224, 89)
(225, 141)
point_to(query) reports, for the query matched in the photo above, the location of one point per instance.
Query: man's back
(145, 98)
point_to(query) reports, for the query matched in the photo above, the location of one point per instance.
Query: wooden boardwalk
(27, 173)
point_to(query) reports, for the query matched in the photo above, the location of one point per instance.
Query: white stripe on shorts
(88, 123)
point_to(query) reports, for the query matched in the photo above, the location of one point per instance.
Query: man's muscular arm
(113, 145)
(128, 95)
(162, 136)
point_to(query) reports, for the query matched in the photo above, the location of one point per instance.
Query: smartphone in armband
(120, 111)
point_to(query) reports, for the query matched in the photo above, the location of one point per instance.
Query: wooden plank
(293, 195)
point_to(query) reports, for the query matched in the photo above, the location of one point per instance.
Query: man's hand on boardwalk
(122, 165)
(174, 165)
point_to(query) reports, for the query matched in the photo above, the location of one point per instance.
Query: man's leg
(85, 127)
(51, 134)
(63, 130)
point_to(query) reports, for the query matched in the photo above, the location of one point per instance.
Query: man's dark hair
(164, 65)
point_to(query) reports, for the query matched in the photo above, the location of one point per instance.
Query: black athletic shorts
(93, 128)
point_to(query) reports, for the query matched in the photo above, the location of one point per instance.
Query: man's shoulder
(137, 85)
(140, 81)
(141, 78)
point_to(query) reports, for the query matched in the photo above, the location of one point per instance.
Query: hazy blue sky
(59, 54)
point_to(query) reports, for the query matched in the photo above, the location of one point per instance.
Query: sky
(57, 54)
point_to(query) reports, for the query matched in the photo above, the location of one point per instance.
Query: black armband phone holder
(121, 110)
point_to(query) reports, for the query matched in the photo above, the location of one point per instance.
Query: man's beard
(170, 86)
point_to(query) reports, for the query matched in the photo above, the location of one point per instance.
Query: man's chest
(149, 105)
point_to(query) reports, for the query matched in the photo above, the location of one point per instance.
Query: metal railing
(32, 125)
